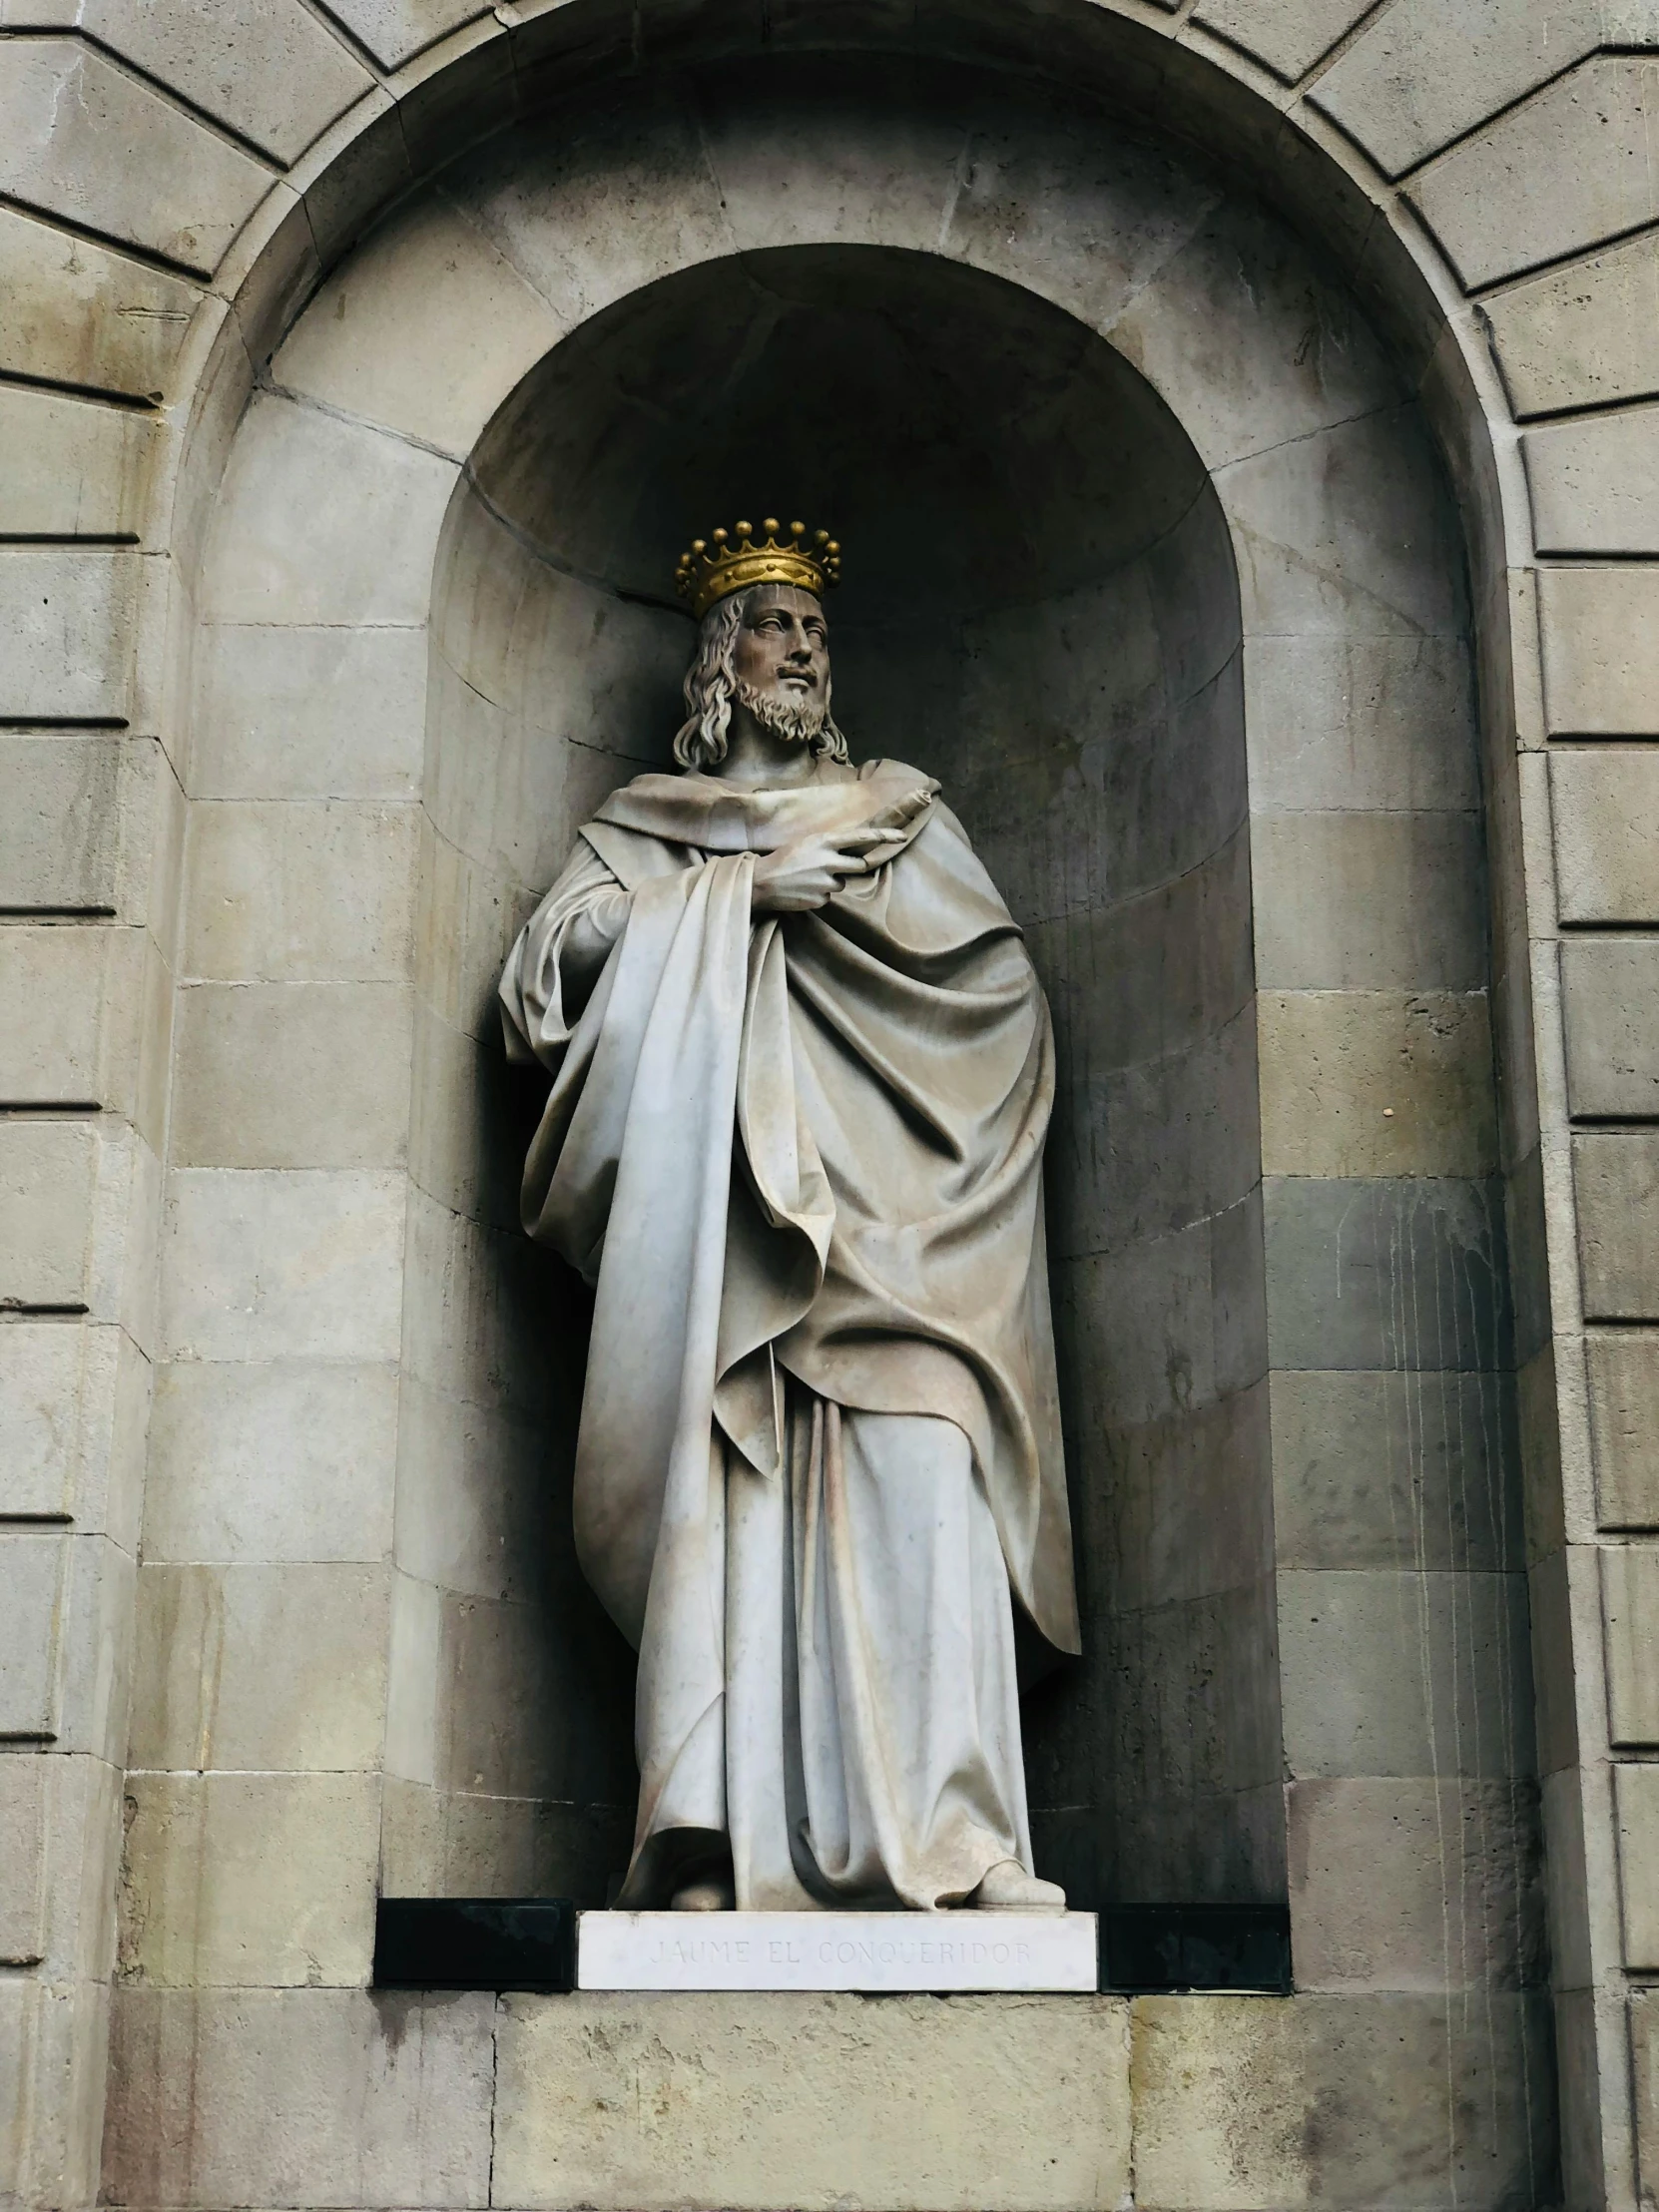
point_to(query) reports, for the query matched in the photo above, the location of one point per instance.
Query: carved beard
(797, 724)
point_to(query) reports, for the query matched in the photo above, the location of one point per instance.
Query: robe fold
(799, 1160)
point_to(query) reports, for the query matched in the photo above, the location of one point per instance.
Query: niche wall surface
(1041, 610)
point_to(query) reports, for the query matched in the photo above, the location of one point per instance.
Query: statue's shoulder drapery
(879, 1073)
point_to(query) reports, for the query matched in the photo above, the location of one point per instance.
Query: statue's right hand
(802, 876)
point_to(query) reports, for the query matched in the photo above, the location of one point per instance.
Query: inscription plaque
(836, 1951)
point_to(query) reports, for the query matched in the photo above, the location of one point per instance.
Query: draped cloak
(800, 1146)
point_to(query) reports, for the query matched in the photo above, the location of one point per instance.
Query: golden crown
(733, 559)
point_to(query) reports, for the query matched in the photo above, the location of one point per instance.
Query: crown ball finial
(798, 529)
(769, 526)
(719, 537)
(699, 545)
(745, 529)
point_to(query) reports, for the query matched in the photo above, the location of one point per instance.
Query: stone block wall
(500, 1782)
(175, 185)
(567, 2102)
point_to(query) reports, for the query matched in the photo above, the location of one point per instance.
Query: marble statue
(803, 1073)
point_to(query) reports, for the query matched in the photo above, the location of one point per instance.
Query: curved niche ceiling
(972, 445)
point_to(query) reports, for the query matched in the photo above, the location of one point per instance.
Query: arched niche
(1042, 610)
(367, 557)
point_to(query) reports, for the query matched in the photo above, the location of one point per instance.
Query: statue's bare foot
(704, 1897)
(1009, 1889)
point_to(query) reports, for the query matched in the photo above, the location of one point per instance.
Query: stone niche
(1152, 560)
(1042, 610)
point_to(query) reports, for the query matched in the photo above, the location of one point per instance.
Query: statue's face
(781, 650)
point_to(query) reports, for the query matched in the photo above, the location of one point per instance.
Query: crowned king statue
(802, 1077)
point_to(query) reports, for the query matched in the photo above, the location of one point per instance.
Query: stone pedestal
(917, 1952)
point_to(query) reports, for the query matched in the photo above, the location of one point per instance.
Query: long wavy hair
(712, 684)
